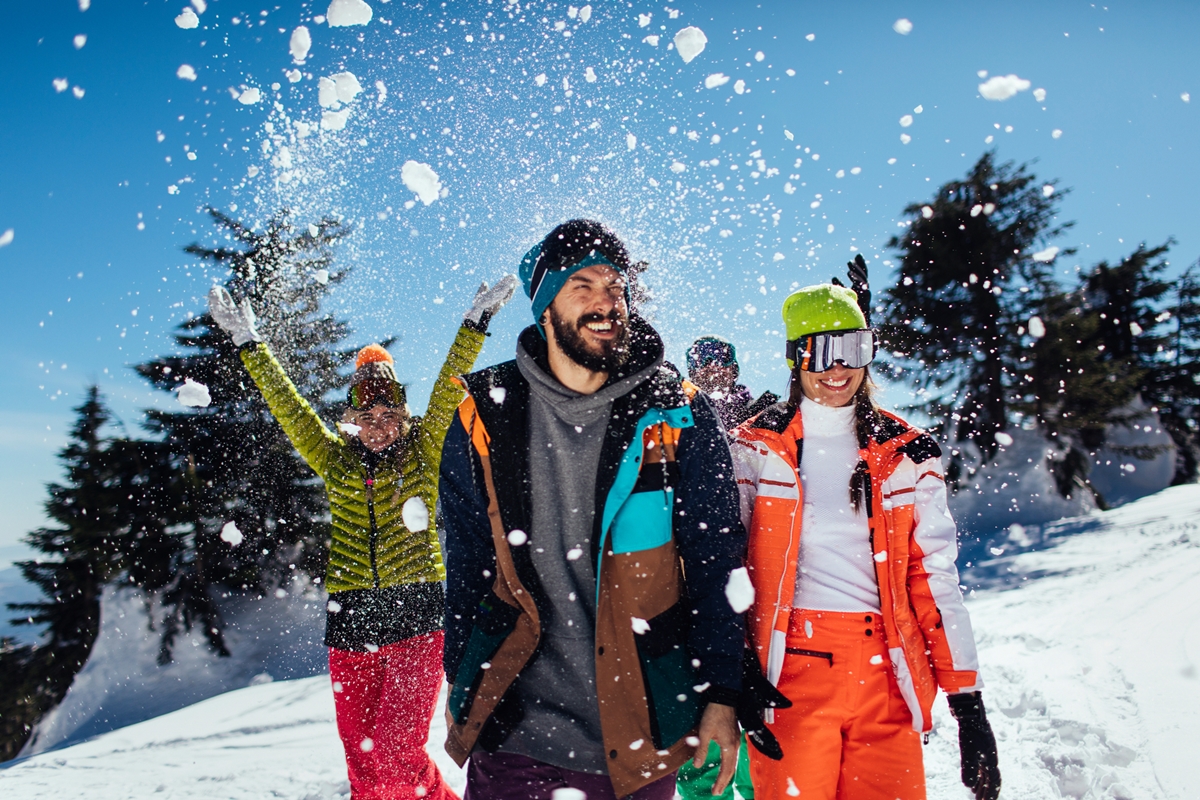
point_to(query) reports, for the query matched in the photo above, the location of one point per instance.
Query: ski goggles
(376, 392)
(819, 352)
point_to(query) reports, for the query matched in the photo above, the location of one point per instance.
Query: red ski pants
(848, 734)
(385, 702)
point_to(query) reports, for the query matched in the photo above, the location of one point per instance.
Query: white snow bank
(1016, 486)
(275, 740)
(343, 13)
(193, 393)
(122, 683)
(1002, 87)
(1089, 662)
(689, 43)
(421, 178)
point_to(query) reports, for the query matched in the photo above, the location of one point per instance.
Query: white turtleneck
(835, 571)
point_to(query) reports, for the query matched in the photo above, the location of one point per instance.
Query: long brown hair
(866, 422)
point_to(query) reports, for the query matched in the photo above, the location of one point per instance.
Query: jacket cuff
(722, 695)
(957, 682)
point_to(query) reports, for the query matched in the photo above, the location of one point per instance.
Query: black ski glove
(758, 694)
(856, 270)
(977, 744)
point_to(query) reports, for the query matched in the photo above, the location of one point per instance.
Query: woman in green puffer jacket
(385, 572)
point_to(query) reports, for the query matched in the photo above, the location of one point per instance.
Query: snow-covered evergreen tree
(230, 460)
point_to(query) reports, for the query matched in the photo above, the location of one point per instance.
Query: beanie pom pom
(372, 354)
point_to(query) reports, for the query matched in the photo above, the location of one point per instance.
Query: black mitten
(758, 694)
(856, 270)
(977, 746)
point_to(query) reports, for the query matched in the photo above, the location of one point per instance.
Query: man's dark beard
(570, 339)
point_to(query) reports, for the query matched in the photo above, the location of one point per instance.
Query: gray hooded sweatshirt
(561, 723)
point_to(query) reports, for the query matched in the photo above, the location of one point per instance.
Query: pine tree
(84, 550)
(967, 281)
(231, 461)
(1173, 389)
(1103, 347)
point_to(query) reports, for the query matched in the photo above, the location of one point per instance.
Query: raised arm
(300, 422)
(446, 392)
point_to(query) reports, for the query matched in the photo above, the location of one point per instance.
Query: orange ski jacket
(913, 539)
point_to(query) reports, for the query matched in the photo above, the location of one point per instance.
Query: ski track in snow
(1089, 661)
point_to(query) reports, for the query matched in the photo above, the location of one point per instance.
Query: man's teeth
(599, 326)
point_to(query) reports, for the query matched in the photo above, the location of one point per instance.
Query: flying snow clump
(321, 276)
(902, 26)
(516, 538)
(6, 238)
(1039, 95)
(300, 44)
(1047, 190)
(334, 120)
(739, 591)
(715, 80)
(343, 13)
(415, 514)
(906, 120)
(231, 534)
(739, 86)
(200, 5)
(61, 85)
(80, 40)
(1185, 97)
(1003, 439)
(337, 89)
(186, 72)
(250, 96)
(187, 19)
(349, 428)
(630, 141)
(639, 625)
(1002, 87)
(568, 793)
(84, 5)
(1047, 255)
(194, 394)
(421, 178)
(690, 43)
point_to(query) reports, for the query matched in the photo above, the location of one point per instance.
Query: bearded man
(592, 524)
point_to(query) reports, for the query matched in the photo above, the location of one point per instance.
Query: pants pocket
(669, 676)
(495, 620)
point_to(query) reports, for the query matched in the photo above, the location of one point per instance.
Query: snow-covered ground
(1088, 645)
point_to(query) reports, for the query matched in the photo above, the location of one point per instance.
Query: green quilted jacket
(371, 547)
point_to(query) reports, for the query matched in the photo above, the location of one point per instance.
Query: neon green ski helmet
(820, 309)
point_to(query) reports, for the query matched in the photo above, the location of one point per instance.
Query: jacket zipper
(796, 651)
(369, 485)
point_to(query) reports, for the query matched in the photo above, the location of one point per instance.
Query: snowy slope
(1088, 649)
(276, 636)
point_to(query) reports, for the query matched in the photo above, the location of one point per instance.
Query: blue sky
(101, 194)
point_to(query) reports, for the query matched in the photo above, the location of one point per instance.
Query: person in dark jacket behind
(712, 365)
(579, 488)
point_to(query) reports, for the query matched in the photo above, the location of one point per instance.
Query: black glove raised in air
(757, 695)
(977, 745)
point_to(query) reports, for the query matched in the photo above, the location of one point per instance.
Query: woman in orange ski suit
(858, 618)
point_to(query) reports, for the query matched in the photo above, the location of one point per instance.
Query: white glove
(237, 321)
(488, 301)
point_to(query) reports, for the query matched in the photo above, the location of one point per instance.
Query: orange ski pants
(848, 734)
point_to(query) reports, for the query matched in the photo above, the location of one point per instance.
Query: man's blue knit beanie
(570, 247)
